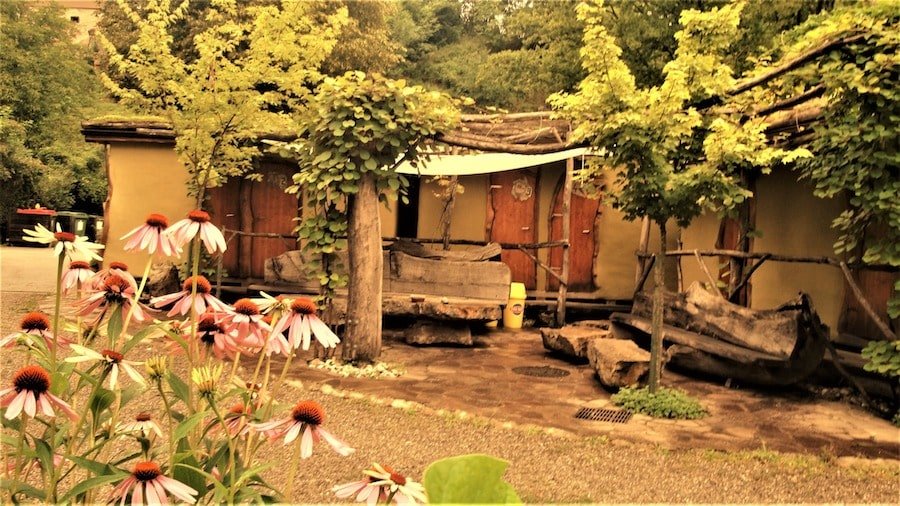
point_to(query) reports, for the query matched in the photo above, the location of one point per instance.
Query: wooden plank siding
(257, 207)
(582, 246)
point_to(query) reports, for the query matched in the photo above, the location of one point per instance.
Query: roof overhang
(486, 163)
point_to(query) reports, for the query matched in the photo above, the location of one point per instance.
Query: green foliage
(665, 403)
(248, 70)
(856, 142)
(46, 88)
(671, 161)
(469, 479)
(883, 358)
(357, 124)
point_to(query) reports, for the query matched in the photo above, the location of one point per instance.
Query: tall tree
(354, 134)
(672, 163)
(247, 71)
(46, 88)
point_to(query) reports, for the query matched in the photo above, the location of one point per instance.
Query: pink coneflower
(306, 419)
(150, 237)
(147, 484)
(382, 484)
(236, 420)
(115, 269)
(30, 391)
(197, 222)
(64, 242)
(215, 337)
(143, 424)
(33, 324)
(247, 323)
(77, 275)
(111, 360)
(183, 301)
(303, 323)
(115, 290)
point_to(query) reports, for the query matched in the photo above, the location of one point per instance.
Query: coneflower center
(157, 220)
(35, 321)
(32, 378)
(237, 409)
(142, 417)
(309, 412)
(303, 305)
(398, 478)
(203, 285)
(79, 264)
(246, 307)
(122, 266)
(64, 236)
(198, 216)
(208, 328)
(114, 286)
(112, 356)
(146, 471)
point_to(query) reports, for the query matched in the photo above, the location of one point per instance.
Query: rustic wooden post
(362, 341)
(566, 225)
(245, 251)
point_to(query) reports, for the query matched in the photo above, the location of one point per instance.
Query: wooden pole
(734, 293)
(775, 258)
(865, 304)
(709, 276)
(544, 266)
(566, 226)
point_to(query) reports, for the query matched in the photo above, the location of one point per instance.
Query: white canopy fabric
(485, 163)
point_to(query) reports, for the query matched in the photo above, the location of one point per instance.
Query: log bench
(441, 290)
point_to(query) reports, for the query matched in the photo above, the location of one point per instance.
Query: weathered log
(486, 252)
(489, 144)
(479, 280)
(767, 347)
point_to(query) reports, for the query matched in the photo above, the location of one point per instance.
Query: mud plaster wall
(143, 179)
(793, 222)
(617, 239)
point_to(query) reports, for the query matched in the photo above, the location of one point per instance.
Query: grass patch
(665, 403)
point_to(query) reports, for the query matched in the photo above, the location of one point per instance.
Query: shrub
(665, 403)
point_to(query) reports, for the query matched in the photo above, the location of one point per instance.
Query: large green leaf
(469, 479)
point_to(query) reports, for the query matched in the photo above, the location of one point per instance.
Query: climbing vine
(357, 124)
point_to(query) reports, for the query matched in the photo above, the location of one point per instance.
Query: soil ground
(755, 446)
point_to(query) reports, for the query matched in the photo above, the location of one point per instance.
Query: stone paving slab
(481, 381)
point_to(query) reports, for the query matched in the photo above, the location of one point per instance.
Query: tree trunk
(656, 322)
(362, 341)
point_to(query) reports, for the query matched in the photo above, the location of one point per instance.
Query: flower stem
(292, 470)
(137, 299)
(170, 428)
(59, 269)
(231, 450)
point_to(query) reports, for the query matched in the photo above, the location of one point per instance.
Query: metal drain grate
(544, 371)
(604, 415)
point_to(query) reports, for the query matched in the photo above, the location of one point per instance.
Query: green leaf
(469, 479)
(97, 468)
(90, 483)
(188, 424)
(114, 324)
(179, 388)
(101, 401)
(20, 487)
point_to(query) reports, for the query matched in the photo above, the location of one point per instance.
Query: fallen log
(706, 333)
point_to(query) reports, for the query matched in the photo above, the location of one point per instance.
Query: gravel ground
(546, 467)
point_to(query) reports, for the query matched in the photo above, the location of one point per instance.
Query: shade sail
(485, 163)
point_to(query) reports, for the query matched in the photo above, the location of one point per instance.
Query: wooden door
(260, 207)
(582, 218)
(512, 218)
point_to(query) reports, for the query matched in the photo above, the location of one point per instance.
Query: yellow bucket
(514, 311)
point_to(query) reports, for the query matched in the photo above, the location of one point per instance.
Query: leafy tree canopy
(249, 69)
(47, 87)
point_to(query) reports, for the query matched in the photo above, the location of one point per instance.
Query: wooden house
(513, 199)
